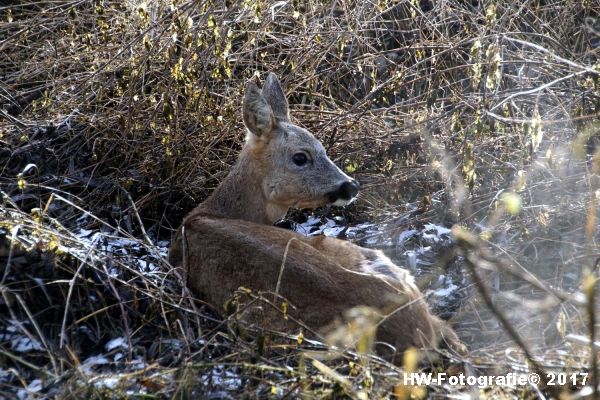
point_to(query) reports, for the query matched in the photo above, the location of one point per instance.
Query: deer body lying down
(230, 243)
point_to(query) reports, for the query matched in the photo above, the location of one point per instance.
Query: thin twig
(471, 263)
(82, 263)
(282, 267)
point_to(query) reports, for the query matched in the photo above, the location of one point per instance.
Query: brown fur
(230, 244)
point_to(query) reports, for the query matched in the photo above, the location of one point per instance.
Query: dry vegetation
(118, 116)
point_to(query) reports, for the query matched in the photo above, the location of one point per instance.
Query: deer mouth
(345, 193)
(343, 202)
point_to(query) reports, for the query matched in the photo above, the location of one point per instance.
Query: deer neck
(241, 196)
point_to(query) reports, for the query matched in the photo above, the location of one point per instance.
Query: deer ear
(257, 113)
(276, 97)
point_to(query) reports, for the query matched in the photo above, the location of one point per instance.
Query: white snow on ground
(407, 234)
(118, 246)
(436, 233)
(34, 387)
(112, 243)
(440, 230)
(119, 342)
(445, 291)
(24, 344)
(109, 382)
(19, 342)
(225, 379)
(93, 361)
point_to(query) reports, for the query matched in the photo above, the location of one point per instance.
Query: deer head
(294, 167)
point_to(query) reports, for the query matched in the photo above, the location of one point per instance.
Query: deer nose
(348, 190)
(344, 193)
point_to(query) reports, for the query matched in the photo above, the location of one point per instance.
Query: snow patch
(34, 386)
(446, 291)
(109, 382)
(222, 378)
(119, 342)
(90, 362)
(18, 341)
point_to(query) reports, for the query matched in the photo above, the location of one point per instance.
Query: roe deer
(228, 241)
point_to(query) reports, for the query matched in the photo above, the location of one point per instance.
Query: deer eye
(299, 159)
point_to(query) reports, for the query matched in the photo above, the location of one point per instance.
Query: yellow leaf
(351, 166)
(389, 164)
(300, 338)
(490, 13)
(21, 183)
(512, 202)
(411, 358)
(362, 395)
(211, 21)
